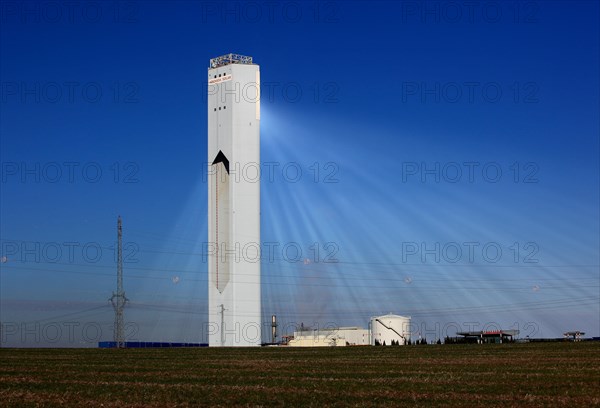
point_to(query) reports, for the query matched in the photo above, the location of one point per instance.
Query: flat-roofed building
(335, 337)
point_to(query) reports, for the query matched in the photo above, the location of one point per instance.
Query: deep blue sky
(378, 104)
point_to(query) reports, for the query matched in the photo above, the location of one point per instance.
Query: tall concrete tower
(234, 304)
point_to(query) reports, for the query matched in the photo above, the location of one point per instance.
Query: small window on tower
(219, 108)
(215, 76)
(224, 107)
(215, 109)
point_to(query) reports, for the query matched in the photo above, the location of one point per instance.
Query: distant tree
(439, 341)
(384, 342)
(377, 342)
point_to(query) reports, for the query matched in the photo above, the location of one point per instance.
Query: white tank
(390, 328)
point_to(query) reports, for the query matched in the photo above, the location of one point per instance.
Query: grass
(534, 374)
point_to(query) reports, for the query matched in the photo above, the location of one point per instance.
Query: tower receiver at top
(229, 59)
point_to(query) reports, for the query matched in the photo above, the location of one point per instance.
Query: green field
(535, 374)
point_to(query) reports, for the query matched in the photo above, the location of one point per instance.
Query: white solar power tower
(234, 202)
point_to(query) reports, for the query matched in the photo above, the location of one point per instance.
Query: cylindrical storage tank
(390, 329)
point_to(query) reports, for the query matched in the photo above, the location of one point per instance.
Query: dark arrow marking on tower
(222, 159)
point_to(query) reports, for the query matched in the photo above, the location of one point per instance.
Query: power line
(367, 263)
(301, 268)
(412, 285)
(62, 316)
(524, 306)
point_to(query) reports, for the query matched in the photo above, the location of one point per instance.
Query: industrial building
(383, 330)
(335, 337)
(234, 303)
(392, 329)
(148, 344)
(574, 335)
(493, 336)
